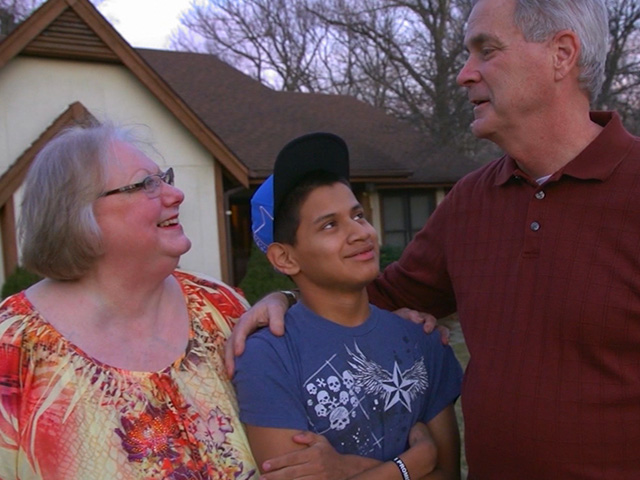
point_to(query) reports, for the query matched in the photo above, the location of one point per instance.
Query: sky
(144, 23)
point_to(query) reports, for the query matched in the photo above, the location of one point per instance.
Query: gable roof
(12, 178)
(214, 101)
(256, 122)
(74, 29)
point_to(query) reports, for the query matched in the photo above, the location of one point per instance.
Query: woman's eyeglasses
(150, 185)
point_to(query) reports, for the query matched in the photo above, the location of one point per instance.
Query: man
(539, 253)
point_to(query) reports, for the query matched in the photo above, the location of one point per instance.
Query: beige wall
(34, 92)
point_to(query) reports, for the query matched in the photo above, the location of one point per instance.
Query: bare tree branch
(621, 88)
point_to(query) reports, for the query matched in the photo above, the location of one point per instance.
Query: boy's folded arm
(433, 454)
(446, 436)
(419, 459)
(287, 454)
(269, 443)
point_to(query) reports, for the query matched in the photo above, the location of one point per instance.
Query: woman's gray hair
(59, 235)
(539, 20)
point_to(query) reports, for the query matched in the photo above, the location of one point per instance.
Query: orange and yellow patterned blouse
(66, 416)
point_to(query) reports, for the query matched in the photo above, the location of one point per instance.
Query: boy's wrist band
(292, 298)
(403, 468)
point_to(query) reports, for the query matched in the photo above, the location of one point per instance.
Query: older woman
(111, 367)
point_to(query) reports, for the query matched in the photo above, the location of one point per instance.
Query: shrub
(262, 278)
(18, 281)
(389, 254)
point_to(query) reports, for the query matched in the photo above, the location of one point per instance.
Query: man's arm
(420, 278)
(270, 311)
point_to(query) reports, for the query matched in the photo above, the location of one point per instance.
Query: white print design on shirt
(339, 395)
(396, 387)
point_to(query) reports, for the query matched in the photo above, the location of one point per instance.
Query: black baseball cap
(318, 151)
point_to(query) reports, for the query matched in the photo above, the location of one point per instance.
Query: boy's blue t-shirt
(362, 387)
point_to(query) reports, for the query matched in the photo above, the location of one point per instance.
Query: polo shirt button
(540, 195)
(535, 226)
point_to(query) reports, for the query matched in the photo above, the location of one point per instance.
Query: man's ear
(566, 53)
(280, 256)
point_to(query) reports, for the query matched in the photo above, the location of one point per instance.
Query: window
(404, 213)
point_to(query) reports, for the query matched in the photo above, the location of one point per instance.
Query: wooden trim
(9, 237)
(224, 229)
(161, 90)
(11, 180)
(365, 200)
(17, 40)
(31, 32)
(69, 36)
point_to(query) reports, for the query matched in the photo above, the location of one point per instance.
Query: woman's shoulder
(212, 298)
(202, 282)
(211, 288)
(16, 312)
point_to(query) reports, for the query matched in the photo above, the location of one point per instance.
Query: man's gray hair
(539, 20)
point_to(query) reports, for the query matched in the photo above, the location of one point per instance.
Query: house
(218, 128)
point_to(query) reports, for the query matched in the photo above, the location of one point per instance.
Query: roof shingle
(255, 121)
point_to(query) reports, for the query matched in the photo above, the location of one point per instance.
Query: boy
(364, 378)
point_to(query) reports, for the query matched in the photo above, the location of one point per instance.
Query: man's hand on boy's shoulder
(269, 310)
(428, 321)
(320, 461)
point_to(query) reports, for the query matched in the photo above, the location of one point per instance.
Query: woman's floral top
(66, 416)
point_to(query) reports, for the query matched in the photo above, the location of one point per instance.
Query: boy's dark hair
(287, 218)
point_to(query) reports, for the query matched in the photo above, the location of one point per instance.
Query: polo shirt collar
(596, 162)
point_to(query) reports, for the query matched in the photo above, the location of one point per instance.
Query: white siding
(34, 92)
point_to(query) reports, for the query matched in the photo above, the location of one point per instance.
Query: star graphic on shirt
(398, 389)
